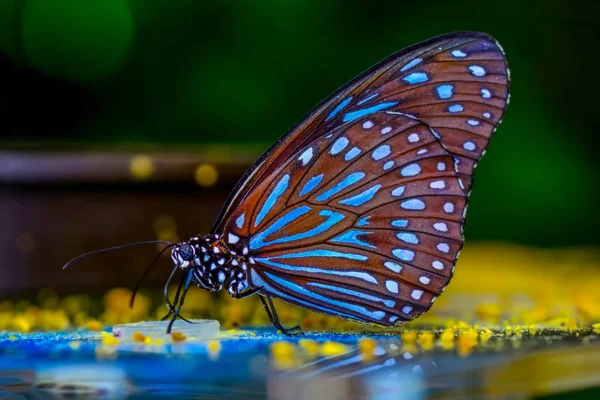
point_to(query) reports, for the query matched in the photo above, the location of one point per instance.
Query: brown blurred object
(57, 205)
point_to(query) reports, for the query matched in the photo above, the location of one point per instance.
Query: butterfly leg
(272, 314)
(177, 308)
(170, 306)
(247, 293)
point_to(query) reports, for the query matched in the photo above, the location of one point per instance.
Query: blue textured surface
(242, 367)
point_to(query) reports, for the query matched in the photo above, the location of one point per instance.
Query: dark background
(183, 76)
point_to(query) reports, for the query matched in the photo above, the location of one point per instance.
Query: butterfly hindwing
(374, 225)
(358, 211)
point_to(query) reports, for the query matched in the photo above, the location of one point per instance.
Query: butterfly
(358, 211)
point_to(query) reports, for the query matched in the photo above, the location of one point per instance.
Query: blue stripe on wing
(332, 218)
(324, 272)
(316, 299)
(273, 196)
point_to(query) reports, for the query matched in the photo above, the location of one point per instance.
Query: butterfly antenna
(146, 272)
(91, 253)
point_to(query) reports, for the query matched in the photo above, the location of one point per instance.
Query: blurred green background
(175, 73)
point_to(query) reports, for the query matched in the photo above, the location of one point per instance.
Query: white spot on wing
(398, 191)
(437, 184)
(413, 204)
(440, 226)
(468, 145)
(339, 145)
(476, 70)
(392, 286)
(448, 207)
(239, 222)
(416, 294)
(233, 238)
(306, 156)
(393, 266)
(443, 247)
(381, 152)
(410, 170)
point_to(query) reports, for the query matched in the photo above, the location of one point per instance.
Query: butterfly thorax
(215, 266)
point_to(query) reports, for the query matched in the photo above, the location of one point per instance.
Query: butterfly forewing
(358, 211)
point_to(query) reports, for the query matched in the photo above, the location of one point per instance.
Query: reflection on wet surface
(263, 364)
(515, 323)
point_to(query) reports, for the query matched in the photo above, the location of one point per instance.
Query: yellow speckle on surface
(311, 347)
(447, 338)
(331, 348)
(75, 344)
(518, 331)
(426, 340)
(12, 337)
(282, 349)
(109, 340)
(148, 340)
(141, 166)
(572, 326)
(178, 336)
(158, 342)
(214, 349)
(485, 334)
(409, 336)
(94, 325)
(367, 347)
(138, 337)
(233, 332)
(465, 345)
(282, 354)
(214, 346)
(206, 175)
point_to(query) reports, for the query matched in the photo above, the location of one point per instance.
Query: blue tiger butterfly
(358, 211)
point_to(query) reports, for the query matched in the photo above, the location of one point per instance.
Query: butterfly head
(184, 255)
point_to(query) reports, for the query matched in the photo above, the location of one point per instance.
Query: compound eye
(186, 252)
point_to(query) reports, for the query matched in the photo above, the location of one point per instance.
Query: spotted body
(213, 264)
(359, 210)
